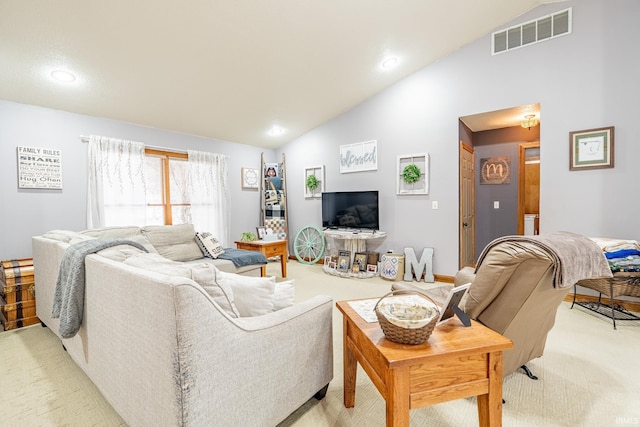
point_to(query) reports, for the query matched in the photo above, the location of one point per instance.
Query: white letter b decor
(411, 265)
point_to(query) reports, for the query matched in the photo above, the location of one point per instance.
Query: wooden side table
(269, 249)
(455, 362)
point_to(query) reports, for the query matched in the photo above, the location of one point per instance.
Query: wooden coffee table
(270, 249)
(455, 362)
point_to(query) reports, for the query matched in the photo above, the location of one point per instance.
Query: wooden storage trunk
(17, 293)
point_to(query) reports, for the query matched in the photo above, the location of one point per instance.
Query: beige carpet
(589, 375)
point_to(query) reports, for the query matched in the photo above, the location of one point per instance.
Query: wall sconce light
(529, 121)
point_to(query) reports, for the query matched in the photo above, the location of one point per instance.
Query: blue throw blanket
(242, 257)
(68, 299)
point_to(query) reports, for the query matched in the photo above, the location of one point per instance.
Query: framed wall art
(591, 149)
(39, 168)
(412, 176)
(359, 157)
(313, 182)
(250, 179)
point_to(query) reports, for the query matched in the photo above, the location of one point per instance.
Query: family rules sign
(39, 168)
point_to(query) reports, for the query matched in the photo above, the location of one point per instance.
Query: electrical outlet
(434, 204)
(496, 204)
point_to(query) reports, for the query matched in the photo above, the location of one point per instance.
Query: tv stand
(354, 240)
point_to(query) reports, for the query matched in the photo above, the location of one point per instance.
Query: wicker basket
(622, 284)
(403, 335)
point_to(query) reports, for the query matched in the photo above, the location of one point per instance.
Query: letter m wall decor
(358, 157)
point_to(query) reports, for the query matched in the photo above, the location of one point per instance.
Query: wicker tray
(402, 335)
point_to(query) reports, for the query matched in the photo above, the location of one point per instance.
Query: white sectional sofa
(163, 352)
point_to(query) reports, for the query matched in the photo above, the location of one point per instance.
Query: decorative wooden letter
(411, 265)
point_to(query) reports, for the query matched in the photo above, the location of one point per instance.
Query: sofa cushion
(176, 242)
(253, 296)
(113, 232)
(208, 244)
(66, 236)
(202, 273)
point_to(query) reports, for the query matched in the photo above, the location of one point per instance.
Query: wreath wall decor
(312, 182)
(411, 174)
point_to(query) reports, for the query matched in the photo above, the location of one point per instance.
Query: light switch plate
(496, 204)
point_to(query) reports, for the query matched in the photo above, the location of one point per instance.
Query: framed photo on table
(591, 149)
(360, 260)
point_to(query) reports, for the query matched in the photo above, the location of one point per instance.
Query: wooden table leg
(490, 404)
(398, 397)
(263, 271)
(283, 264)
(350, 368)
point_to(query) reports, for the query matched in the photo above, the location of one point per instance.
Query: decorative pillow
(253, 296)
(284, 294)
(202, 273)
(176, 242)
(209, 246)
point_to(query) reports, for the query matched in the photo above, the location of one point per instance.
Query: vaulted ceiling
(228, 69)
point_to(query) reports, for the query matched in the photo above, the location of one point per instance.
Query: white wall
(585, 80)
(28, 212)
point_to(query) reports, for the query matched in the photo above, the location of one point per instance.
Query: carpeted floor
(588, 376)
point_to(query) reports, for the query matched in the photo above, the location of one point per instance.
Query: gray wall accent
(585, 80)
(493, 223)
(28, 212)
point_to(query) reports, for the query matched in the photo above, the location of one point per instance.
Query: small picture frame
(453, 298)
(327, 260)
(250, 179)
(355, 268)
(591, 149)
(360, 260)
(261, 232)
(343, 263)
(372, 268)
(332, 265)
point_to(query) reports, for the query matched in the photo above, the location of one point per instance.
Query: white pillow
(253, 296)
(202, 273)
(284, 295)
(209, 246)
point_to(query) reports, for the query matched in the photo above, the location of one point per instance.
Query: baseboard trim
(628, 305)
(441, 278)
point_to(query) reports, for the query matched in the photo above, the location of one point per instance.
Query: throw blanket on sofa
(241, 257)
(576, 257)
(68, 299)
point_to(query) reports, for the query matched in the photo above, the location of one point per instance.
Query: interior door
(529, 186)
(467, 206)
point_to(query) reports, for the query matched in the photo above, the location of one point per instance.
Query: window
(167, 179)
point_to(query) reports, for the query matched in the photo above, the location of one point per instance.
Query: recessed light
(390, 62)
(275, 131)
(63, 76)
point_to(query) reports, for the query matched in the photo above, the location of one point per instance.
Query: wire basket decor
(407, 317)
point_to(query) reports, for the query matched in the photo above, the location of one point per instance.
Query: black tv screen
(350, 209)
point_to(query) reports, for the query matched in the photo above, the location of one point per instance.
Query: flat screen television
(350, 209)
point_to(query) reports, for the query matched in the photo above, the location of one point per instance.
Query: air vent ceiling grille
(538, 30)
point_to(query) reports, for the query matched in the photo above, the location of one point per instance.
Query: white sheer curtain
(210, 194)
(116, 187)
